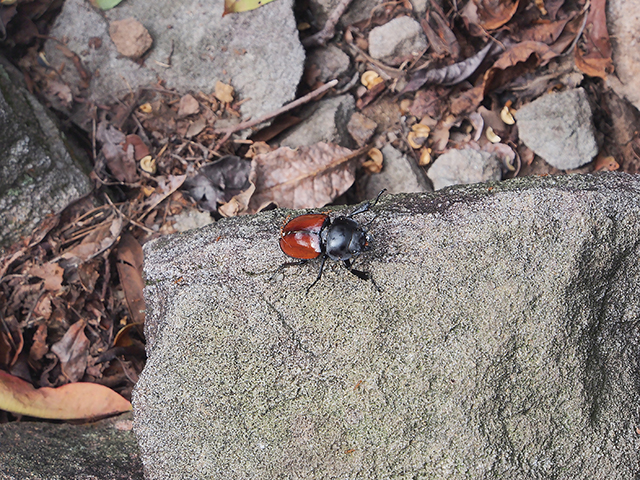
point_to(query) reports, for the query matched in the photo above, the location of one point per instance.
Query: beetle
(314, 235)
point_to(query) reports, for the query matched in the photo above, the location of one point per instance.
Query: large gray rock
(326, 122)
(464, 166)
(104, 450)
(194, 46)
(505, 342)
(559, 128)
(399, 174)
(39, 175)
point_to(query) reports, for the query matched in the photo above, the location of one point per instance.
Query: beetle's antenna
(366, 206)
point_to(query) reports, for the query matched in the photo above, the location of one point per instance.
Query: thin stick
(320, 38)
(252, 123)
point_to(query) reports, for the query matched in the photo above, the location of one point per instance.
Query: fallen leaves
(74, 401)
(308, 177)
(72, 350)
(593, 55)
(238, 6)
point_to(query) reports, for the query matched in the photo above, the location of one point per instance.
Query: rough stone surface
(396, 41)
(39, 175)
(361, 128)
(464, 166)
(399, 175)
(504, 342)
(327, 122)
(623, 22)
(258, 52)
(330, 61)
(559, 128)
(104, 450)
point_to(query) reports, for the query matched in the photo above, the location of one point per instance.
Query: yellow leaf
(72, 401)
(237, 6)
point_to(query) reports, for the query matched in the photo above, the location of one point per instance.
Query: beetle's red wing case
(303, 245)
(300, 237)
(305, 223)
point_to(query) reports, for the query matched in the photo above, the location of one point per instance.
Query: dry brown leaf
(11, 341)
(72, 350)
(39, 346)
(96, 242)
(308, 177)
(120, 164)
(441, 38)
(140, 149)
(129, 265)
(593, 56)
(50, 272)
(166, 186)
(72, 401)
(517, 60)
(495, 13)
(239, 204)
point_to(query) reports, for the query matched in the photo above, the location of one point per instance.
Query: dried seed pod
(421, 130)
(492, 136)
(370, 79)
(506, 116)
(148, 164)
(146, 108)
(374, 164)
(425, 157)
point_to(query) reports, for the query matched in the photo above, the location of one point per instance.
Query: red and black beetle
(310, 236)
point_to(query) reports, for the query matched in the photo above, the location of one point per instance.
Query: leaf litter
(71, 303)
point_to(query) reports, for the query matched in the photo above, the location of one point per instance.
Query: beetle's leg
(366, 206)
(287, 264)
(360, 274)
(324, 258)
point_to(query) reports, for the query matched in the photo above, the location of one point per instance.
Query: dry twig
(320, 38)
(252, 123)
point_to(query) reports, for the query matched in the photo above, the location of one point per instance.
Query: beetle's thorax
(344, 239)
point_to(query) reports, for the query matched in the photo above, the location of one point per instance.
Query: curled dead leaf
(71, 401)
(72, 350)
(129, 264)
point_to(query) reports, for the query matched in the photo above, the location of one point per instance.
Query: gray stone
(399, 175)
(331, 61)
(559, 128)
(420, 6)
(504, 343)
(396, 41)
(623, 22)
(358, 11)
(194, 46)
(327, 123)
(46, 451)
(39, 174)
(361, 128)
(464, 166)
